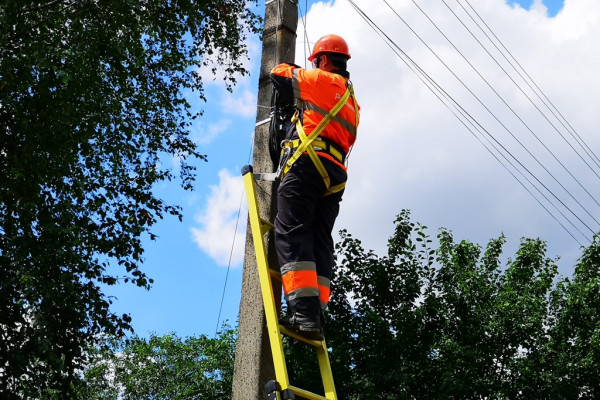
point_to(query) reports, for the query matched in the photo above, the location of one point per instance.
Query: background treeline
(418, 323)
(452, 322)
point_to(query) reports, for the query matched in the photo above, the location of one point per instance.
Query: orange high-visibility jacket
(318, 92)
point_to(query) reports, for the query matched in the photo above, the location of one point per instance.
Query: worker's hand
(293, 65)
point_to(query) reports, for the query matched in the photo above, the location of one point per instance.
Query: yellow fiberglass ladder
(280, 388)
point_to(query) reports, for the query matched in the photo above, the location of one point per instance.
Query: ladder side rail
(326, 373)
(265, 281)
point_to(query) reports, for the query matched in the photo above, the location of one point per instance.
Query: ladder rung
(265, 226)
(267, 223)
(275, 274)
(306, 394)
(315, 343)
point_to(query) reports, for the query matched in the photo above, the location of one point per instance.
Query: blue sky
(554, 6)
(189, 260)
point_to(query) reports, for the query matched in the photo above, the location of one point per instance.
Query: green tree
(573, 349)
(450, 320)
(93, 93)
(377, 333)
(163, 367)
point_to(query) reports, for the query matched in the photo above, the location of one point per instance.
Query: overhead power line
(497, 150)
(529, 81)
(492, 113)
(522, 91)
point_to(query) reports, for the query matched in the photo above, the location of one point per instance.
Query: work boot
(304, 325)
(304, 318)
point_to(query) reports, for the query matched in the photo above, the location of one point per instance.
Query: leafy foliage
(93, 93)
(163, 367)
(450, 322)
(416, 323)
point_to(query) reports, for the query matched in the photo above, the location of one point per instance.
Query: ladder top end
(246, 169)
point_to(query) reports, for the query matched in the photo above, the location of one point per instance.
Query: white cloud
(538, 5)
(243, 104)
(205, 134)
(217, 231)
(413, 153)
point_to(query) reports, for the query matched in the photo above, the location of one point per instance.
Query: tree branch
(47, 5)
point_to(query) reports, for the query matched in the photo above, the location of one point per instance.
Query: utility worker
(314, 176)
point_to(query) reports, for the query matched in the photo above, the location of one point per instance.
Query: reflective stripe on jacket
(318, 92)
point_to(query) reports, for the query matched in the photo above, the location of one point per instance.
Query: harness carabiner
(286, 152)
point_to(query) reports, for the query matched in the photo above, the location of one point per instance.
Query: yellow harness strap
(306, 141)
(319, 145)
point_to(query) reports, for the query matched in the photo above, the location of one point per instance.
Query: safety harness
(310, 144)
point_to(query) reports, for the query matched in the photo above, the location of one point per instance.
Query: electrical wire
(279, 19)
(493, 114)
(235, 233)
(306, 43)
(522, 91)
(568, 192)
(433, 86)
(548, 103)
(229, 263)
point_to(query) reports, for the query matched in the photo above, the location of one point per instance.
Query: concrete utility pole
(253, 361)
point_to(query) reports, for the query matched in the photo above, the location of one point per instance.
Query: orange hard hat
(330, 44)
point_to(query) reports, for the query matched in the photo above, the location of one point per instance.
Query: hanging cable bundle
(282, 110)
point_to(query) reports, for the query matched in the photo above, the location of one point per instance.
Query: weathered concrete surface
(253, 361)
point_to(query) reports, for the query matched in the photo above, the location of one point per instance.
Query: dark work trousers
(304, 223)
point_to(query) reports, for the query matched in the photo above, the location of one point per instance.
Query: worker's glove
(292, 65)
